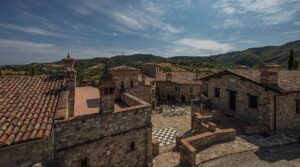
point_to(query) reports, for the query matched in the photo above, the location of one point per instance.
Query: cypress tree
(291, 61)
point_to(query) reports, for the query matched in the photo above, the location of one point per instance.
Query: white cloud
(204, 44)
(269, 11)
(30, 30)
(24, 44)
(232, 23)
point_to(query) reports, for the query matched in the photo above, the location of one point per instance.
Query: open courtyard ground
(282, 149)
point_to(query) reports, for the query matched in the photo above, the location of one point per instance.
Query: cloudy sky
(43, 31)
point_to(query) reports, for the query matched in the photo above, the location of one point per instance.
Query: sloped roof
(123, 67)
(27, 107)
(288, 80)
(181, 77)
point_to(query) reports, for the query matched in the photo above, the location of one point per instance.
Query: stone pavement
(244, 143)
(182, 124)
(280, 156)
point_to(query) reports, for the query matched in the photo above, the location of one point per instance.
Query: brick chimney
(70, 77)
(269, 75)
(107, 89)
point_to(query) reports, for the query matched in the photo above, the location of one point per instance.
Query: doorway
(232, 100)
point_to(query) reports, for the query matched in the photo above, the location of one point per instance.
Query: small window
(122, 85)
(252, 101)
(217, 92)
(111, 90)
(84, 162)
(298, 106)
(132, 147)
(131, 83)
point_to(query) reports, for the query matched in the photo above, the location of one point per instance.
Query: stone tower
(70, 77)
(107, 89)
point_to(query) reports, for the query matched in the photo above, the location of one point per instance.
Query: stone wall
(144, 92)
(190, 146)
(263, 115)
(106, 139)
(170, 91)
(27, 154)
(150, 70)
(286, 116)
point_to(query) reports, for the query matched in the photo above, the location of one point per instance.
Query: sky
(45, 31)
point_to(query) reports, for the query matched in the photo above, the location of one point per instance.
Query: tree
(291, 61)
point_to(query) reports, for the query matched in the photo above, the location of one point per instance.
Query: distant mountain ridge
(255, 56)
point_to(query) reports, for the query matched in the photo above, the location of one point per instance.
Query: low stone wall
(189, 146)
(130, 100)
(155, 147)
(26, 154)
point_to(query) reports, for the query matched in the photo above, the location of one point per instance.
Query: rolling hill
(93, 68)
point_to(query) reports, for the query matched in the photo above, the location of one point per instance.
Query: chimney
(107, 89)
(169, 77)
(269, 74)
(70, 77)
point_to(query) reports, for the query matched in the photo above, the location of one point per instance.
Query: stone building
(266, 99)
(177, 86)
(128, 79)
(125, 77)
(150, 69)
(42, 120)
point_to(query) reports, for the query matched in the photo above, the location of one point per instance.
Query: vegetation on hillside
(92, 69)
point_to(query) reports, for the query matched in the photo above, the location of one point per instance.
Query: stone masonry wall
(173, 91)
(262, 115)
(26, 154)
(144, 92)
(286, 116)
(106, 139)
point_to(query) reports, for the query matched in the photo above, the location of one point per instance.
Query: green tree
(291, 61)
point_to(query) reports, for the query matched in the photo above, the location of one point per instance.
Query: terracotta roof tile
(27, 107)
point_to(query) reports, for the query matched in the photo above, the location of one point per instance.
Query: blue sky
(45, 31)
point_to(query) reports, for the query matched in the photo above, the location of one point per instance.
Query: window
(217, 92)
(84, 162)
(122, 85)
(131, 147)
(111, 90)
(298, 106)
(131, 83)
(252, 101)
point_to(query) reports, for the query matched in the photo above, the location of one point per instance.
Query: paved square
(165, 136)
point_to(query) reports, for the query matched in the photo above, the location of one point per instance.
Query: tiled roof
(27, 107)
(181, 77)
(289, 80)
(253, 74)
(123, 67)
